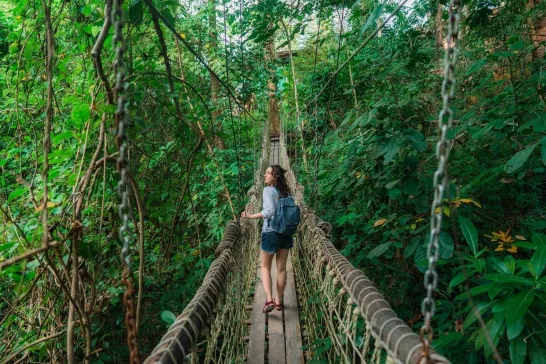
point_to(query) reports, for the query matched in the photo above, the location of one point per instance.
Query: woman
(273, 243)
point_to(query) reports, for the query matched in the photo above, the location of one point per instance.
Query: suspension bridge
(332, 312)
(331, 308)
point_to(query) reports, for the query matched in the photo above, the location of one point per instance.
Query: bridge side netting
(212, 328)
(345, 318)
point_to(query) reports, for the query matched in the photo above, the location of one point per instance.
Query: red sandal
(269, 305)
(279, 307)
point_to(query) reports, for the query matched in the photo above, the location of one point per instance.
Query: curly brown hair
(280, 181)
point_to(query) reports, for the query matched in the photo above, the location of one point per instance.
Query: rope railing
(212, 327)
(345, 318)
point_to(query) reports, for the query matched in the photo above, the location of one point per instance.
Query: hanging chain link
(124, 209)
(441, 182)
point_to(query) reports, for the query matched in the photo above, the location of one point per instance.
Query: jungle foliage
(369, 161)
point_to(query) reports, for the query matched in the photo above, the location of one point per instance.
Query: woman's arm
(269, 200)
(252, 216)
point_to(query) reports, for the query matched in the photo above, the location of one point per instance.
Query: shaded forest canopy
(362, 144)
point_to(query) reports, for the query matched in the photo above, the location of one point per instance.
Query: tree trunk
(538, 29)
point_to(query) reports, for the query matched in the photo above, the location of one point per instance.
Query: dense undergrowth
(368, 168)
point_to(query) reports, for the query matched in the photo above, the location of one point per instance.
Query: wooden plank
(277, 353)
(294, 353)
(256, 344)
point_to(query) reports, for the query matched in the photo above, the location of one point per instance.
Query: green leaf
(517, 281)
(416, 138)
(518, 350)
(80, 114)
(510, 263)
(470, 233)
(458, 279)
(14, 194)
(481, 307)
(474, 291)
(539, 239)
(443, 339)
(62, 136)
(420, 259)
(480, 264)
(492, 327)
(408, 252)
(539, 260)
(6, 246)
(477, 66)
(95, 30)
(519, 159)
(391, 184)
(480, 133)
(514, 330)
(168, 317)
(389, 150)
(537, 351)
(446, 245)
(498, 265)
(518, 307)
(379, 250)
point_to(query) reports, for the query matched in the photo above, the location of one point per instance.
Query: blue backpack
(287, 216)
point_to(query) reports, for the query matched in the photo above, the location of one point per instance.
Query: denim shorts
(272, 242)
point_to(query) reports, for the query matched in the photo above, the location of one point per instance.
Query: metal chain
(124, 209)
(441, 183)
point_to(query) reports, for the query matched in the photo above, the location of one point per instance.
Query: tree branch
(47, 338)
(97, 49)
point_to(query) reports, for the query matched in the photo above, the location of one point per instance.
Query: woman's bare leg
(282, 256)
(266, 260)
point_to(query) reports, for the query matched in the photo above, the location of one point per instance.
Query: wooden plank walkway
(275, 338)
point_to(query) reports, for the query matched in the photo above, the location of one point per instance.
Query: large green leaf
(480, 133)
(80, 114)
(515, 329)
(492, 327)
(17, 193)
(519, 159)
(416, 138)
(446, 245)
(168, 316)
(514, 280)
(470, 233)
(474, 291)
(458, 279)
(539, 239)
(518, 350)
(410, 249)
(518, 307)
(498, 265)
(420, 258)
(389, 150)
(477, 66)
(479, 307)
(539, 260)
(444, 339)
(379, 250)
(537, 351)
